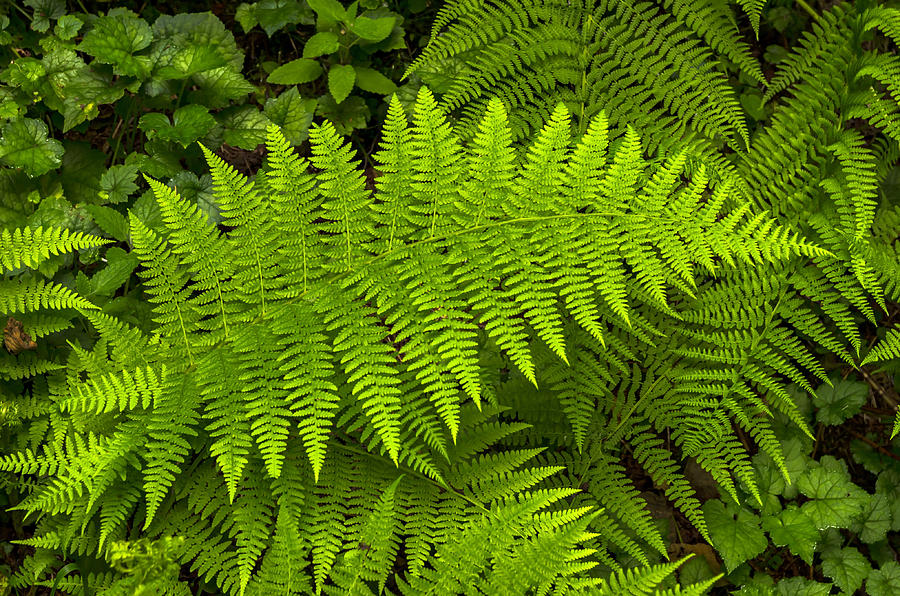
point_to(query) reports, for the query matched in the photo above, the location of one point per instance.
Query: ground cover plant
(607, 291)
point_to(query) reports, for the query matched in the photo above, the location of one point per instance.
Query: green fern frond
(27, 247)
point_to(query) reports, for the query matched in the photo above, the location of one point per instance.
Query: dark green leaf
(245, 127)
(328, 10)
(792, 528)
(44, 11)
(840, 402)
(835, 500)
(735, 532)
(117, 183)
(274, 15)
(884, 581)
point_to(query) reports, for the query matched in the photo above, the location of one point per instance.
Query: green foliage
(345, 52)
(278, 343)
(624, 252)
(813, 519)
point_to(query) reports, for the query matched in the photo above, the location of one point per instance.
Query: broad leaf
(835, 500)
(295, 72)
(847, 567)
(735, 532)
(114, 39)
(328, 10)
(340, 81)
(369, 79)
(323, 42)
(840, 402)
(245, 127)
(792, 528)
(373, 29)
(292, 114)
(24, 144)
(884, 581)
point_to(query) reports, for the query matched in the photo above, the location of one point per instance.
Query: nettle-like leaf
(834, 500)
(847, 567)
(735, 531)
(884, 580)
(840, 401)
(24, 143)
(794, 529)
(115, 38)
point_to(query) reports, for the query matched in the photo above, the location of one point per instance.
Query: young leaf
(323, 42)
(340, 81)
(295, 72)
(373, 29)
(369, 79)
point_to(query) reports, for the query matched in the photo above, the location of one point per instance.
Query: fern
(334, 341)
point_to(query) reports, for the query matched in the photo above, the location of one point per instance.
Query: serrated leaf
(246, 16)
(369, 79)
(44, 11)
(847, 567)
(191, 43)
(792, 528)
(800, 586)
(115, 39)
(218, 86)
(110, 221)
(323, 42)
(24, 143)
(884, 581)
(191, 123)
(117, 183)
(293, 114)
(67, 27)
(874, 522)
(373, 29)
(274, 15)
(328, 10)
(835, 500)
(296, 72)
(245, 127)
(841, 401)
(888, 484)
(340, 81)
(735, 532)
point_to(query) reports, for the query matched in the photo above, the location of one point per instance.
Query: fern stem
(809, 10)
